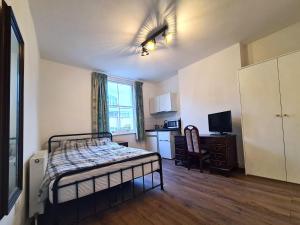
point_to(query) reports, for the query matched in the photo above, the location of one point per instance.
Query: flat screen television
(220, 122)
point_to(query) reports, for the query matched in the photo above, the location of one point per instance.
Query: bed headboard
(57, 139)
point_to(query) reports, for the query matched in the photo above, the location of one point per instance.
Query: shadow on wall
(237, 129)
(44, 145)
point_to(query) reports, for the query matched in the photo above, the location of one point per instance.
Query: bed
(81, 165)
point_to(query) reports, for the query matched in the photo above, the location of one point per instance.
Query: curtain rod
(117, 77)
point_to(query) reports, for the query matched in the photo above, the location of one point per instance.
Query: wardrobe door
(261, 121)
(289, 74)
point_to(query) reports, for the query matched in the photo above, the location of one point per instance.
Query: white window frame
(129, 83)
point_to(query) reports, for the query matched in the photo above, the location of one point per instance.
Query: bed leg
(77, 206)
(161, 175)
(161, 181)
(132, 174)
(95, 196)
(55, 212)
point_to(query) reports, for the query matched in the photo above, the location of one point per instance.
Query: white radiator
(37, 167)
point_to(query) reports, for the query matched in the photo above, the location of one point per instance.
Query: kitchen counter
(163, 129)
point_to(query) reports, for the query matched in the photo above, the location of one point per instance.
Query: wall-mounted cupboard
(163, 103)
(270, 97)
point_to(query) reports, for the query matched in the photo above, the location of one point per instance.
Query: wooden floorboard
(192, 198)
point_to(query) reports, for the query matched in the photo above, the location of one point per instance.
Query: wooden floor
(194, 198)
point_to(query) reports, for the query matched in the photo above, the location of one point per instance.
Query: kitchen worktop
(164, 129)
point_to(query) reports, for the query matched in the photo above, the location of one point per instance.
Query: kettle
(166, 124)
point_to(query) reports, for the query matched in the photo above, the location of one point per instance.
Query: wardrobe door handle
(278, 115)
(285, 115)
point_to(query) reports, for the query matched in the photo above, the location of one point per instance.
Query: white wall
(210, 85)
(65, 102)
(65, 99)
(22, 13)
(276, 44)
(168, 85)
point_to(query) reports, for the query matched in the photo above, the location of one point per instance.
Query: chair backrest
(192, 139)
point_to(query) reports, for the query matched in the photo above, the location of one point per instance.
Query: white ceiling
(103, 34)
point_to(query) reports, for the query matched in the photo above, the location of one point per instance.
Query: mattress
(85, 188)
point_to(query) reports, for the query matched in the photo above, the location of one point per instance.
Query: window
(120, 106)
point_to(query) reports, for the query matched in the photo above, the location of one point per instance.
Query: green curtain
(99, 103)
(138, 87)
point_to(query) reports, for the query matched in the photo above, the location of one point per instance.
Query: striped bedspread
(74, 155)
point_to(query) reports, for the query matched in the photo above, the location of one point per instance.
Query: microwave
(173, 124)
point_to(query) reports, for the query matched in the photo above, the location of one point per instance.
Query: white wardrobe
(270, 103)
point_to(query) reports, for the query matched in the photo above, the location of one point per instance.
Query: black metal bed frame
(56, 186)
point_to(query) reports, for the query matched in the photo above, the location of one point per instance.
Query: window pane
(112, 93)
(121, 113)
(126, 119)
(113, 118)
(125, 95)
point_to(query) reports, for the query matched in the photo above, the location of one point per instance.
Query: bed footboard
(56, 187)
(147, 168)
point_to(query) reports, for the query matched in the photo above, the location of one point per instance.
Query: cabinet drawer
(180, 157)
(218, 148)
(180, 142)
(151, 133)
(179, 139)
(181, 146)
(214, 140)
(218, 156)
(179, 151)
(217, 163)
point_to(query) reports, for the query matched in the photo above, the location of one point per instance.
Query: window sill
(123, 133)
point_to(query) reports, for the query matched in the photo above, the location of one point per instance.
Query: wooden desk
(222, 150)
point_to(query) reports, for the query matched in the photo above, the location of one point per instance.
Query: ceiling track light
(144, 51)
(168, 37)
(150, 43)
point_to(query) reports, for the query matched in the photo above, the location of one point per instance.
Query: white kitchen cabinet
(270, 97)
(163, 103)
(154, 105)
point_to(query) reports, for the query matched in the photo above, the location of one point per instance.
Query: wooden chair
(194, 149)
